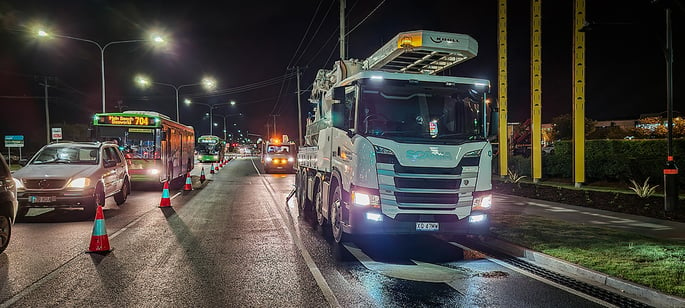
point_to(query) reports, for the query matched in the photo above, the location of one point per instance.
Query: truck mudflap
(371, 221)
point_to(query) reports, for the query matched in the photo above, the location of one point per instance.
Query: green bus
(210, 149)
(157, 149)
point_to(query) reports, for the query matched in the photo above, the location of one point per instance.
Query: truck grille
(44, 184)
(424, 188)
(427, 183)
(402, 197)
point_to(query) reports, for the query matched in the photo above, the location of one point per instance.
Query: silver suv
(8, 204)
(73, 174)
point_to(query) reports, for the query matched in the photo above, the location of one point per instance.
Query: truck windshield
(410, 112)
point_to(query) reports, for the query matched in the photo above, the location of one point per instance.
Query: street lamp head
(209, 83)
(232, 103)
(42, 33)
(143, 81)
(187, 101)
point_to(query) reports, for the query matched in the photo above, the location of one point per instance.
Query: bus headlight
(79, 183)
(153, 171)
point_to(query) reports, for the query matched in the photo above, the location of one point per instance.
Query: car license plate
(42, 199)
(427, 226)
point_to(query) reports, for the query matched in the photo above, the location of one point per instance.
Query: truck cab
(278, 157)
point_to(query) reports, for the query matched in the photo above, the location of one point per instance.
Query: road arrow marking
(424, 272)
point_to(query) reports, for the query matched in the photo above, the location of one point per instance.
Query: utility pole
(47, 110)
(275, 115)
(342, 29)
(299, 110)
(671, 170)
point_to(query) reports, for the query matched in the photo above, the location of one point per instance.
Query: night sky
(250, 46)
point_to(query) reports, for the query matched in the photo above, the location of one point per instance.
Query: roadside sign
(56, 133)
(14, 141)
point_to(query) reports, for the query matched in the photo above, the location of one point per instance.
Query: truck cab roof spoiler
(422, 52)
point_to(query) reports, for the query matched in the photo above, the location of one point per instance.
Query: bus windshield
(133, 142)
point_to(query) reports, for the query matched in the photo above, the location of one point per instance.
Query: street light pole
(102, 53)
(671, 170)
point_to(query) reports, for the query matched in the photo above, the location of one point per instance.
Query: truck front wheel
(318, 202)
(336, 213)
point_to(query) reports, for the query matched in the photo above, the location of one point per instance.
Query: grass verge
(658, 264)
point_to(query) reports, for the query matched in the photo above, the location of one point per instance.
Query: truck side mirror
(339, 93)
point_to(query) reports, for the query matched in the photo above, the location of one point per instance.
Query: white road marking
(309, 261)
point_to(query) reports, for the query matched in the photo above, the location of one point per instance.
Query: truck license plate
(427, 226)
(42, 199)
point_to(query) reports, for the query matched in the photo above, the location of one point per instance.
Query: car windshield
(67, 154)
(413, 112)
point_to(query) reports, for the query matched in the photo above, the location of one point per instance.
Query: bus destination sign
(128, 120)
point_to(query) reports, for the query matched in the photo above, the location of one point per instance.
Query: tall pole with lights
(156, 39)
(208, 83)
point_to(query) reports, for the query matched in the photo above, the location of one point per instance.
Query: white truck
(395, 148)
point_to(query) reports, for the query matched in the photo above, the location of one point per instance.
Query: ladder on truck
(422, 52)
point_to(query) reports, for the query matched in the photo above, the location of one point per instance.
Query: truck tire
(335, 208)
(318, 202)
(304, 204)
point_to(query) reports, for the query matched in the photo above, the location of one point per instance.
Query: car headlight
(18, 183)
(79, 183)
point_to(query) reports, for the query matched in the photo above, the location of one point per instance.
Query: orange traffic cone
(202, 175)
(189, 183)
(99, 241)
(166, 201)
(211, 168)
(216, 168)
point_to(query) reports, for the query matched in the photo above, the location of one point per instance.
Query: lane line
(38, 283)
(311, 265)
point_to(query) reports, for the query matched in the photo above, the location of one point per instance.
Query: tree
(562, 129)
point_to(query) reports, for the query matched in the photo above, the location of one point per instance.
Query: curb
(635, 291)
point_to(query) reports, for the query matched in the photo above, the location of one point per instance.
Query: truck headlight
(290, 159)
(364, 199)
(267, 158)
(79, 183)
(482, 202)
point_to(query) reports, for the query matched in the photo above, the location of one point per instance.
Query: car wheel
(22, 211)
(98, 200)
(5, 232)
(121, 196)
(336, 213)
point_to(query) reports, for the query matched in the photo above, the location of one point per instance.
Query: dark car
(8, 204)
